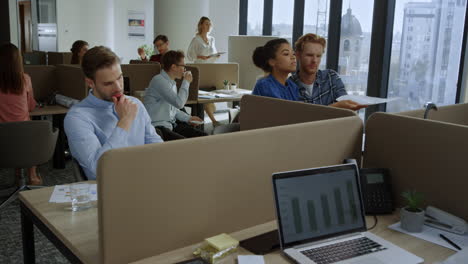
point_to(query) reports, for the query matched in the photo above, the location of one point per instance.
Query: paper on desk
(217, 54)
(432, 235)
(366, 100)
(458, 258)
(250, 259)
(61, 194)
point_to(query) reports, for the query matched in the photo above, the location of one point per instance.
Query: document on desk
(432, 235)
(366, 100)
(61, 194)
(250, 259)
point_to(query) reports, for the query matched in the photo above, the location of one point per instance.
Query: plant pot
(412, 221)
(226, 87)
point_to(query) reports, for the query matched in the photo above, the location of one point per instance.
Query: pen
(450, 242)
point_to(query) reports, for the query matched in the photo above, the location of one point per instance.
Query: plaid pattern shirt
(327, 87)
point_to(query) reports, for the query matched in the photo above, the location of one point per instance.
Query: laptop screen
(314, 204)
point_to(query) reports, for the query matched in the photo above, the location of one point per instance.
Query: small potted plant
(412, 215)
(233, 86)
(226, 84)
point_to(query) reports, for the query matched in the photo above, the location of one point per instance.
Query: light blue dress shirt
(163, 101)
(91, 128)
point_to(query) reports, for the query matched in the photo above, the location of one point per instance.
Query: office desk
(430, 252)
(76, 234)
(198, 106)
(49, 110)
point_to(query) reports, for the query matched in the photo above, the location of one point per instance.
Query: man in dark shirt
(161, 43)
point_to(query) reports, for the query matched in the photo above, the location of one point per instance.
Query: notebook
(321, 219)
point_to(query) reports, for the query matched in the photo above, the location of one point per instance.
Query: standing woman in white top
(200, 50)
(203, 45)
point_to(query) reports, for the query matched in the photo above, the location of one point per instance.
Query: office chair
(23, 145)
(78, 171)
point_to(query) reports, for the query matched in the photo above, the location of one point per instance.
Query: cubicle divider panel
(260, 112)
(193, 88)
(56, 58)
(71, 81)
(142, 62)
(212, 75)
(428, 156)
(35, 58)
(160, 197)
(44, 80)
(140, 75)
(455, 114)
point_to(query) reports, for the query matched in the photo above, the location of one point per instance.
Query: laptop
(321, 219)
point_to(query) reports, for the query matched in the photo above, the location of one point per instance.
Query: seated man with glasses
(163, 101)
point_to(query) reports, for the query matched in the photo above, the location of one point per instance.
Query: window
(283, 13)
(346, 45)
(316, 16)
(434, 59)
(255, 17)
(356, 29)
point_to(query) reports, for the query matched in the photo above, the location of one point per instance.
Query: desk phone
(376, 191)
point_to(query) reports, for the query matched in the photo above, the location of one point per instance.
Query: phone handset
(445, 221)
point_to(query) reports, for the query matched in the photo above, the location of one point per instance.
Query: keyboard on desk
(343, 250)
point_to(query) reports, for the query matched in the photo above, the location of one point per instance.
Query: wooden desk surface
(49, 110)
(430, 252)
(79, 232)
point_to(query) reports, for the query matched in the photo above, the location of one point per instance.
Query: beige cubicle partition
(160, 197)
(456, 114)
(56, 58)
(259, 112)
(44, 80)
(423, 155)
(140, 75)
(35, 58)
(71, 81)
(212, 75)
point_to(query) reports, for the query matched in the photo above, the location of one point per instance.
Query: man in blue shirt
(163, 101)
(105, 119)
(318, 86)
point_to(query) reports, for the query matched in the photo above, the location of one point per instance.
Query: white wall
(225, 17)
(123, 46)
(177, 19)
(103, 22)
(69, 17)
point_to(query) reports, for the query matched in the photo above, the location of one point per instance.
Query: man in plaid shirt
(318, 86)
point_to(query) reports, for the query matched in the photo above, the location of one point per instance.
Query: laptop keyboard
(343, 250)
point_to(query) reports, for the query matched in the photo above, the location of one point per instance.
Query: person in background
(79, 48)
(161, 43)
(201, 50)
(318, 86)
(163, 101)
(276, 58)
(106, 119)
(16, 95)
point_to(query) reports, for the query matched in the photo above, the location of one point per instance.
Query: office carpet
(11, 250)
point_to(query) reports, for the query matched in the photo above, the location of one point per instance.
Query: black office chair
(78, 171)
(23, 145)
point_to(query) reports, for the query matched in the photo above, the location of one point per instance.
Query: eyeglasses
(182, 65)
